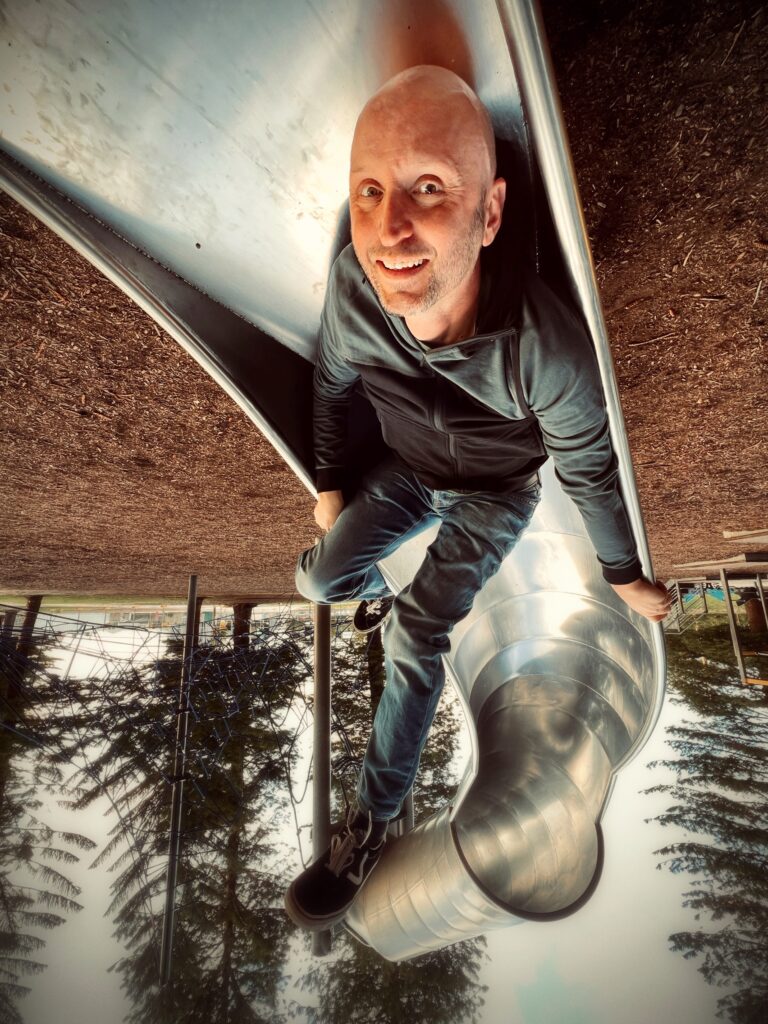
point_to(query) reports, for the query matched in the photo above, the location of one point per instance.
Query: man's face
(418, 200)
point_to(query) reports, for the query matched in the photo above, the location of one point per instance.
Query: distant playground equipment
(757, 617)
(695, 598)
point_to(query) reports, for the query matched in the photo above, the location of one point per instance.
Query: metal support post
(179, 765)
(732, 624)
(10, 619)
(761, 595)
(321, 757)
(703, 592)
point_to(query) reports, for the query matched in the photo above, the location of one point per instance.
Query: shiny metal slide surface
(211, 144)
(560, 683)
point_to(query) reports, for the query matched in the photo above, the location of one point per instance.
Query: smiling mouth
(401, 267)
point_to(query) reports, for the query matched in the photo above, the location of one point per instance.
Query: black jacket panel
(481, 414)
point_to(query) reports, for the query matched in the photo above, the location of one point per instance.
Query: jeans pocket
(525, 501)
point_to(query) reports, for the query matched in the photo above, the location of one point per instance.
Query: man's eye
(428, 188)
(370, 192)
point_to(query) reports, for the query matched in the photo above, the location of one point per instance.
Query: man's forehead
(385, 159)
(427, 142)
(416, 115)
(418, 126)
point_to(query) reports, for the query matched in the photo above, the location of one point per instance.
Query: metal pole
(179, 763)
(732, 625)
(761, 594)
(321, 757)
(703, 589)
(8, 622)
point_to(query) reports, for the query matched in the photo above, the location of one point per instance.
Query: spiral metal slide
(196, 153)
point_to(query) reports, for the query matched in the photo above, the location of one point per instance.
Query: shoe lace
(374, 607)
(343, 848)
(344, 844)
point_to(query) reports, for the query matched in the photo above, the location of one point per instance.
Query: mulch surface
(125, 467)
(667, 111)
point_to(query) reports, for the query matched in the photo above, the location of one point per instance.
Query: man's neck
(452, 319)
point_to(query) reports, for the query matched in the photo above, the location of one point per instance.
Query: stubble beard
(460, 263)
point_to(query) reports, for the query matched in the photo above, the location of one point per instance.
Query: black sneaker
(321, 896)
(369, 615)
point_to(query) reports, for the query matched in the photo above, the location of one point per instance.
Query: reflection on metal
(405, 823)
(220, 151)
(559, 682)
(179, 768)
(738, 649)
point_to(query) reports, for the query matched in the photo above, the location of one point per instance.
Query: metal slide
(196, 153)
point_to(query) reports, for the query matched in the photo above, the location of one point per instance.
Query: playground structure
(690, 604)
(146, 139)
(696, 597)
(738, 648)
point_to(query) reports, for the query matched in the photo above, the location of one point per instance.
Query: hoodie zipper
(490, 336)
(438, 422)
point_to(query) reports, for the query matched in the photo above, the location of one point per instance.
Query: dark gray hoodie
(480, 414)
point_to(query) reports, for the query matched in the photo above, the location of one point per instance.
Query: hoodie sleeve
(561, 380)
(333, 383)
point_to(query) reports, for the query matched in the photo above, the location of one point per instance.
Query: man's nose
(395, 222)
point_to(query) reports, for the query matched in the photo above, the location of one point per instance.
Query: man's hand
(652, 600)
(328, 508)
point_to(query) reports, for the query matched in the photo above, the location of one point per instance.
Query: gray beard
(462, 263)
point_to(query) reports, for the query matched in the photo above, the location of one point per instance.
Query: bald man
(475, 384)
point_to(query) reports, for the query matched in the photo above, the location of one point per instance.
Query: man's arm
(561, 378)
(332, 388)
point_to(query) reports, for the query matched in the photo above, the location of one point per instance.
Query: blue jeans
(478, 529)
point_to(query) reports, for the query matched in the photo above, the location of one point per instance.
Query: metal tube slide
(199, 159)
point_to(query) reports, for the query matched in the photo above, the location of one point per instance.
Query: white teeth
(402, 264)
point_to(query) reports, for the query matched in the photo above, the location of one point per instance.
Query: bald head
(423, 200)
(428, 98)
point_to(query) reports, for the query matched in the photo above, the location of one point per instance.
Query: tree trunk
(9, 620)
(241, 627)
(24, 645)
(755, 616)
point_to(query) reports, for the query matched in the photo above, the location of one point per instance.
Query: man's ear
(494, 207)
